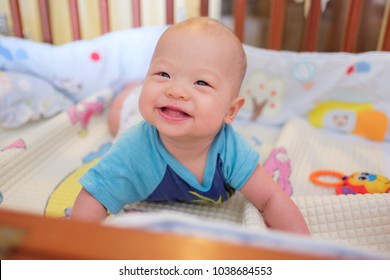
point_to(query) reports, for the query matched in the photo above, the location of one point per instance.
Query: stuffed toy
(356, 183)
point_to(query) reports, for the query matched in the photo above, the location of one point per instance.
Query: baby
(185, 149)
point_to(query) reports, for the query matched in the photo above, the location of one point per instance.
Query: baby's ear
(235, 106)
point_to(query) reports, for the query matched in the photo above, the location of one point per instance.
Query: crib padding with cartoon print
(42, 160)
(33, 182)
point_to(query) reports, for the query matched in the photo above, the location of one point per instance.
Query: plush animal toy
(356, 183)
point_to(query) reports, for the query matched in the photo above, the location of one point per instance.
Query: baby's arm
(278, 210)
(87, 208)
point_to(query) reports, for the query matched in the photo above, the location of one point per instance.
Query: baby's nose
(177, 93)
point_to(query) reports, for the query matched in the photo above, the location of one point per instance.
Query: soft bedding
(361, 220)
(354, 225)
(80, 68)
(25, 98)
(35, 162)
(41, 161)
(335, 91)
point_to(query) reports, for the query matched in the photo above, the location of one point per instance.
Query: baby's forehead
(214, 37)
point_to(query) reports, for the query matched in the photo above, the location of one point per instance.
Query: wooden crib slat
(239, 18)
(104, 16)
(75, 20)
(351, 27)
(312, 26)
(45, 21)
(386, 29)
(169, 4)
(386, 40)
(136, 12)
(275, 32)
(17, 25)
(204, 8)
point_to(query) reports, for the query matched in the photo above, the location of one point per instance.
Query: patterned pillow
(80, 68)
(25, 98)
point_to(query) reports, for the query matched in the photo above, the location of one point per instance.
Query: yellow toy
(357, 118)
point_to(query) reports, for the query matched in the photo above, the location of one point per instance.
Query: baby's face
(191, 84)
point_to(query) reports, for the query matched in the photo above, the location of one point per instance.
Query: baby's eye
(164, 75)
(201, 83)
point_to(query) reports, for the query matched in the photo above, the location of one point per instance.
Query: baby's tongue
(174, 113)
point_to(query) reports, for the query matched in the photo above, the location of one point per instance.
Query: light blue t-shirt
(139, 168)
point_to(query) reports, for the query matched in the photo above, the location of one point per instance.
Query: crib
(348, 23)
(45, 150)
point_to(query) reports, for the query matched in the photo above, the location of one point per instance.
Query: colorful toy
(356, 183)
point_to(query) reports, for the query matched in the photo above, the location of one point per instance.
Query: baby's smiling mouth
(173, 113)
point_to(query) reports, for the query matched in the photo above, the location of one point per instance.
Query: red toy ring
(314, 177)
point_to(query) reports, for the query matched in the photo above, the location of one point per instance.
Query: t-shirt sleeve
(240, 159)
(123, 176)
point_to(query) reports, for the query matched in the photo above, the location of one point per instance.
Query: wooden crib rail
(277, 17)
(38, 237)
